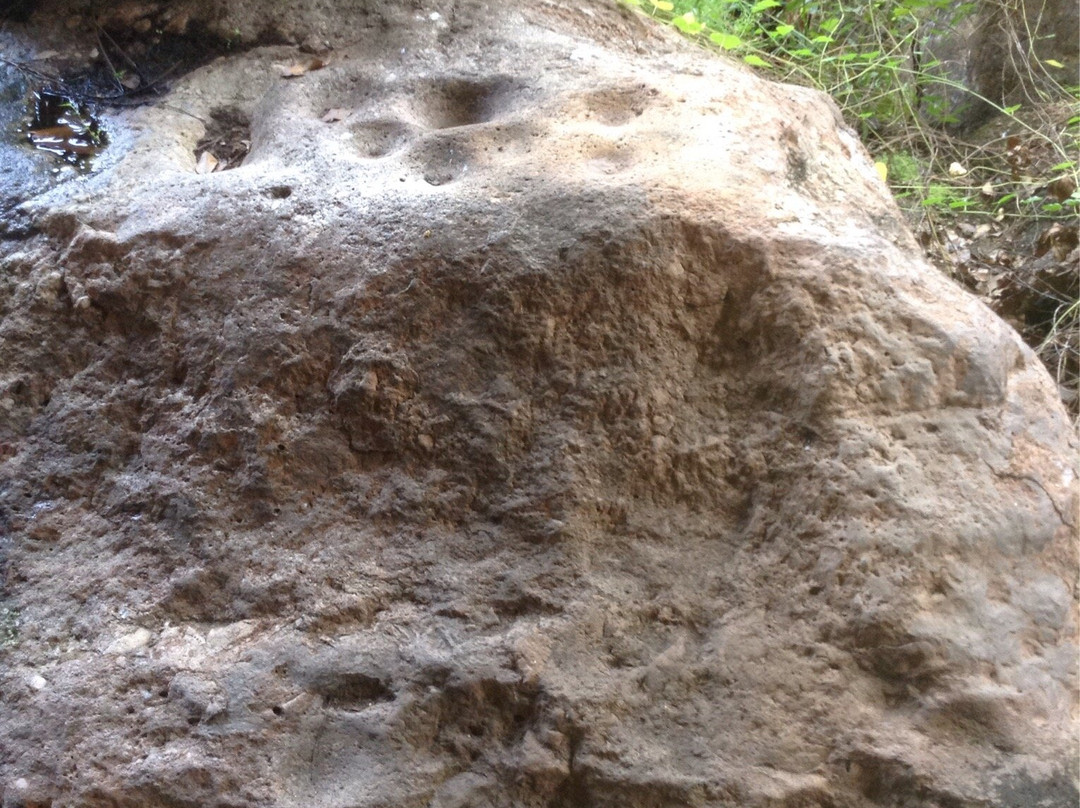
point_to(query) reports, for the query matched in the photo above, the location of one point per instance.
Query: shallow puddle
(62, 126)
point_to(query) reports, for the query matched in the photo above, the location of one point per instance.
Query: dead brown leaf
(301, 67)
(1062, 188)
(290, 71)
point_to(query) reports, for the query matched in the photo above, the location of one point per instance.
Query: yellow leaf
(882, 170)
(1053, 63)
(664, 5)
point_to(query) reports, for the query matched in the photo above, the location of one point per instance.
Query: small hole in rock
(226, 142)
(279, 192)
(463, 102)
(277, 709)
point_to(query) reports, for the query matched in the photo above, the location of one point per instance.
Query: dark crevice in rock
(352, 691)
(228, 141)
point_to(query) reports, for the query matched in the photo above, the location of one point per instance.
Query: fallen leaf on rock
(206, 164)
(290, 71)
(300, 68)
(335, 114)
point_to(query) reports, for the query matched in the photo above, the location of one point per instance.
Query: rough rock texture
(572, 424)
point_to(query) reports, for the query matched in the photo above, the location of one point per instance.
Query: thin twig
(23, 68)
(119, 50)
(112, 68)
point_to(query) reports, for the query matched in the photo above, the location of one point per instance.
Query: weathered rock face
(570, 424)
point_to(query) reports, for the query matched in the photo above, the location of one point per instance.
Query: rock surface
(571, 423)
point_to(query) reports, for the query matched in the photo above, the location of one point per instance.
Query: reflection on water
(62, 126)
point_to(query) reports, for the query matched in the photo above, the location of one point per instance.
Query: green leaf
(725, 41)
(687, 23)
(1066, 166)
(783, 30)
(830, 25)
(1052, 207)
(761, 5)
(1012, 109)
(1053, 63)
(755, 60)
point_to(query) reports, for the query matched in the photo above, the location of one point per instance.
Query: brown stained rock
(572, 424)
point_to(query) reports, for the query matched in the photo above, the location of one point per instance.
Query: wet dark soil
(138, 63)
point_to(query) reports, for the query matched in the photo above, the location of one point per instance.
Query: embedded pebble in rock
(568, 421)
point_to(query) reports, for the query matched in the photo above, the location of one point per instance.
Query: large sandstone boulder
(568, 420)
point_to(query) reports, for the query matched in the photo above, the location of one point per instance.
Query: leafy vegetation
(994, 204)
(9, 626)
